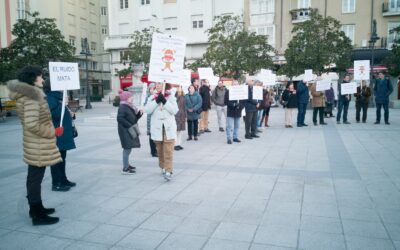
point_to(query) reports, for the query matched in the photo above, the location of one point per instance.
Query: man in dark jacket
(251, 106)
(362, 101)
(303, 97)
(382, 90)
(344, 102)
(234, 110)
(204, 92)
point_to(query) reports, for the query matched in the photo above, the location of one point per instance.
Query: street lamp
(372, 41)
(86, 51)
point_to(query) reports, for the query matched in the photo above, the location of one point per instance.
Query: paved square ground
(318, 187)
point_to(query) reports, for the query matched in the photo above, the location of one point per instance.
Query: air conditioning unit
(364, 43)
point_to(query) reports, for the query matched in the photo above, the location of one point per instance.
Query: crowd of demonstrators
(205, 94)
(303, 98)
(362, 101)
(382, 90)
(127, 117)
(329, 102)
(180, 118)
(250, 119)
(65, 142)
(289, 100)
(150, 92)
(318, 104)
(193, 106)
(344, 102)
(234, 113)
(218, 98)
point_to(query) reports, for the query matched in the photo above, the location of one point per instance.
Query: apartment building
(76, 19)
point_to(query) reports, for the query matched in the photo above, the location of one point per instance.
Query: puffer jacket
(39, 140)
(318, 97)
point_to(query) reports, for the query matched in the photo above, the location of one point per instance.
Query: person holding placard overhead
(39, 137)
(303, 97)
(162, 107)
(204, 92)
(318, 104)
(382, 90)
(234, 113)
(344, 102)
(362, 101)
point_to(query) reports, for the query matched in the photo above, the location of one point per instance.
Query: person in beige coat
(39, 137)
(318, 104)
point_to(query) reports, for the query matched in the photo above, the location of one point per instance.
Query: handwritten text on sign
(348, 88)
(64, 76)
(238, 92)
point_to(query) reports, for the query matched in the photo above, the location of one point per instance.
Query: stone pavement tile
(177, 209)
(390, 215)
(107, 234)
(45, 229)
(361, 243)
(4, 231)
(142, 239)
(218, 244)
(82, 245)
(214, 211)
(286, 220)
(287, 196)
(253, 201)
(321, 224)
(73, 211)
(364, 229)
(317, 209)
(149, 206)
(255, 246)
(396, 244)
(129, 218)
(197, 227)
(318, 240)
(160, 222)
(140, 190)
(73, 229)
(15, 220)
(18, 240)
(50, 243)
(117, 203)
(244, 215)
(90, 199)
(100, 215)
(235, 231)
(182, 241)
(394, 231)
(284, 207)
(278, 236)
(364, 214)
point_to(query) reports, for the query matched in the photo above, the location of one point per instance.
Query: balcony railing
(301, 15)
(389, 10)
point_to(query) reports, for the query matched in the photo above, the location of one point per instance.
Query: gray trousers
(125, 158)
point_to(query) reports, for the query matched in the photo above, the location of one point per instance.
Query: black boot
(43, 209)
(39, 217)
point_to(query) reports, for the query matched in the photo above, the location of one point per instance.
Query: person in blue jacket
(382, 90)
(303, 97)
(65, 142)
(193, 106)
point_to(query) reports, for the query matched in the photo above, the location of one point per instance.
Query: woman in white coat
(162, 108)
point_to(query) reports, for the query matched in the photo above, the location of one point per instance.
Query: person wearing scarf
(128, 115)
(163, 108)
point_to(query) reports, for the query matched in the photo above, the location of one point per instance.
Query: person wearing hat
(127, 118)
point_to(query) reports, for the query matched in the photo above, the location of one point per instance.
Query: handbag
(74, 131)
(134, 131)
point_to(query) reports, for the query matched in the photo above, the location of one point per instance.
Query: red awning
(375, 69)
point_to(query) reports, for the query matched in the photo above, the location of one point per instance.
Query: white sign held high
(348, 88)
(186, 78)
(323, 85)
(257, 93)
(361, 70)
(64, 76)
(166, 58)
(308, 76)
(206, 73)
(238, 92)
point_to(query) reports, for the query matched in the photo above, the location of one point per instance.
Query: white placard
(348, 88)
(214, 81)
(206, 73)
(323, 85)
(361, 70)
(64, 76)
(166, 58)
(308, 76)
(185, 78)
(144, 95)
(267, 77)
(238, 92)
(257, 93)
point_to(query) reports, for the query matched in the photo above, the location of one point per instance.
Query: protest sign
(361, 70)
(323, 85)
(238, 92)
(206, 73)
(348, 88)
(257, 93)
(308, 75)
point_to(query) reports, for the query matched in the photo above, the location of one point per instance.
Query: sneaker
(69, 183)
(195, 138)
(377, 122)
(189, 138)
(387, 123)
(323, 123)
(207, 130)
(221, 130)
(162, 171)
(180, 147)
(236, 140)
(229, 142)
(346, 122)
(132, 167)
(299, 125)
(255, 136)
(60, 188)
(177, 148)
(168, 176)
(304, 125)
(248, 137)
(290, 126)
(128, 171)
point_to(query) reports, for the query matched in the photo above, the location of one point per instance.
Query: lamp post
(86, 51)
(372, 41)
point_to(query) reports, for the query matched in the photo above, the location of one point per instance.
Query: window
(93, 46)
(104, 11)
(170, 23)
(266, 30)
(144, 24)
(94, 65)
(197, 21)
(71, 20)
(392, 36)
(394, 5)
(169, 1)
(123, 4)
(348, 6)
(144, 2)
(262, 12)
(349, 30)
(104, 30)
(72, 41)
(21, 9)
(303, 4)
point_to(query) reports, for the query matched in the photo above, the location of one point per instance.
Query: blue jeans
(343, 105)
(259, 117)
(385, 109)
(301, 114)
(232, 124)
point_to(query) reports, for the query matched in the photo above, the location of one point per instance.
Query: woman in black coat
(128, 115)
(289, 101)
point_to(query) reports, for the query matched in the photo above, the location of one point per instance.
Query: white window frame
(346, 28)
(170, 29)
(391, 36)
(72, 40)
(144, 2)
(303, 4)
(197, 21)
(104, 11)
(349, 6)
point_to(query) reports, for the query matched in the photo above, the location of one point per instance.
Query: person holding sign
(289, 97)
(234, 113)
(382, 90)
(193, 105)
(39, 138)
(344, 102)
(65, 142)
(318, 104)
(362, 101)
(251, 106)
(162, 107)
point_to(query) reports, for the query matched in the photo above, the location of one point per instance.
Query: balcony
(301, 15)
(117, 42)
(391, 9)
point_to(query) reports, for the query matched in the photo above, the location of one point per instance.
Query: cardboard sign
(257, 93)
(64, 76)
(323, 85)
(361, 70)
(185, 78)
(238, 92)
(308, 76)
(166, 58)
(206, 73)
(267, 77)
(348, 88)
(214, 81)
